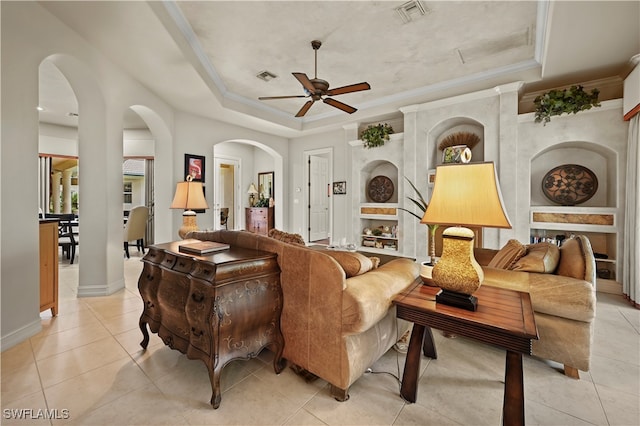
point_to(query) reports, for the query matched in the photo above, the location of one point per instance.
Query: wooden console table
(504, 318)
(215, 308)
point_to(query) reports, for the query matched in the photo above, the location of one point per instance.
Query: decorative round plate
(569, 184)
(380, 189)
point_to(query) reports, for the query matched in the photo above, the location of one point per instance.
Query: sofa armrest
(368, 297)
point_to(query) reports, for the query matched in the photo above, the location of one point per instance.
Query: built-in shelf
(385, 161)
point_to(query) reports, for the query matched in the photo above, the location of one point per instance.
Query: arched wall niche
(598, 158)
(451, 126)
(378, 168)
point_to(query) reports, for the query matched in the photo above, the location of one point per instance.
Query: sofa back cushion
(540, 257)
(576, 259)
(508, 255)
(353, 263)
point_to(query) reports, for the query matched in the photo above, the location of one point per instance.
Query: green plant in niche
(422, 205)
(262, 202)
(376, 135)
(570, 101)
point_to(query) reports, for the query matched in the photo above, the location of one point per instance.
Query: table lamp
(252, 194)
(189, 196)
(463, 195)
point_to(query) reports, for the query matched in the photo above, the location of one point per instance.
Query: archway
(247, 176)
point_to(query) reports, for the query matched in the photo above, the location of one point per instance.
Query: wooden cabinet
(214, 308)
(259, 220)
(49, 266)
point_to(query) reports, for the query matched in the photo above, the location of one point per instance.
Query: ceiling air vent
(266, 75)
(411, 10)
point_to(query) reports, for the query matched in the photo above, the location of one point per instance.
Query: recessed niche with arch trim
(451, 127)
(596, 158)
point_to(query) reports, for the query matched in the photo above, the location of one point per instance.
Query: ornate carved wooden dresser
(215, 308)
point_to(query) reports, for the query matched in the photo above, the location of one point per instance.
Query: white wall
(202, 136)
(342, 213)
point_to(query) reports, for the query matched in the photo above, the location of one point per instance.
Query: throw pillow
(572, 262)
(375, 261)
(353, 263)
(508, 255)
(540, 257)
(286, 237)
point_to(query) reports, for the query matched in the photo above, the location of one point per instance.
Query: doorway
(319, 173)
(226, 209)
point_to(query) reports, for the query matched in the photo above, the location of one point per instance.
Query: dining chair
(135, 228)
(224, 217)
(68, 238)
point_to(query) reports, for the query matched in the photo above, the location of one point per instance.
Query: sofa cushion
(367, 298)
(508, 255)
(353, 263)
(550, 294)
(563, 297)
(540, 257)
(572, 262)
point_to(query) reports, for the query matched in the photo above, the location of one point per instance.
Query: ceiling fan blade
(349, 89)
(337, 104)
(305, 108)
(266, 98)
(304, 80)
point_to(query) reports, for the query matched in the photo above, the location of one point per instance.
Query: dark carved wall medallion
(380, 189)
(569, 184)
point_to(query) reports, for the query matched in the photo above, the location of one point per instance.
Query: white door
(318, 198)
(226, 192)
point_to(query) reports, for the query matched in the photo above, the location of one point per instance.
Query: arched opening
(58, 167)
(255, 158)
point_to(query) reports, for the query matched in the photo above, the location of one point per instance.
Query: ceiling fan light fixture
(266, 75)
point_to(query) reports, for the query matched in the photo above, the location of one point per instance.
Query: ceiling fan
(318, 89)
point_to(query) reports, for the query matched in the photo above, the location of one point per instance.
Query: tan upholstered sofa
(563, 297)
(335, 325)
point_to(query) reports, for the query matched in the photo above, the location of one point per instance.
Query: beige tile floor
(87, 364)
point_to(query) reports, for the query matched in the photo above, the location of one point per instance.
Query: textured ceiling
(362, 41)
(203, 57)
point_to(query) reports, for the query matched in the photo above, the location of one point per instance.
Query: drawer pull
(196, 333)
(197, 297)
(149, 277)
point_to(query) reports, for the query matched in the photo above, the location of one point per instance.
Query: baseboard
(100, 290)
(20, 335)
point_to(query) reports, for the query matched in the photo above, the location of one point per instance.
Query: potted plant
(376, 135)
(570, 101)
(422, 205)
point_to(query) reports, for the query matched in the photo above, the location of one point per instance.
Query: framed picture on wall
(194, 167)
(431, 178)
(340, 187)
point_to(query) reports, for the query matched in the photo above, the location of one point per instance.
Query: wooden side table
(504, 319)
(215, 308)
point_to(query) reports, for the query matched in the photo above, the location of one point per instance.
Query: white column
(55, 190)
(66, 191)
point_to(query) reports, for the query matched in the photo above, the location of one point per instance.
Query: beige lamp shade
(467, 195)
(252, 190)
(463, 195)
(189, 196)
